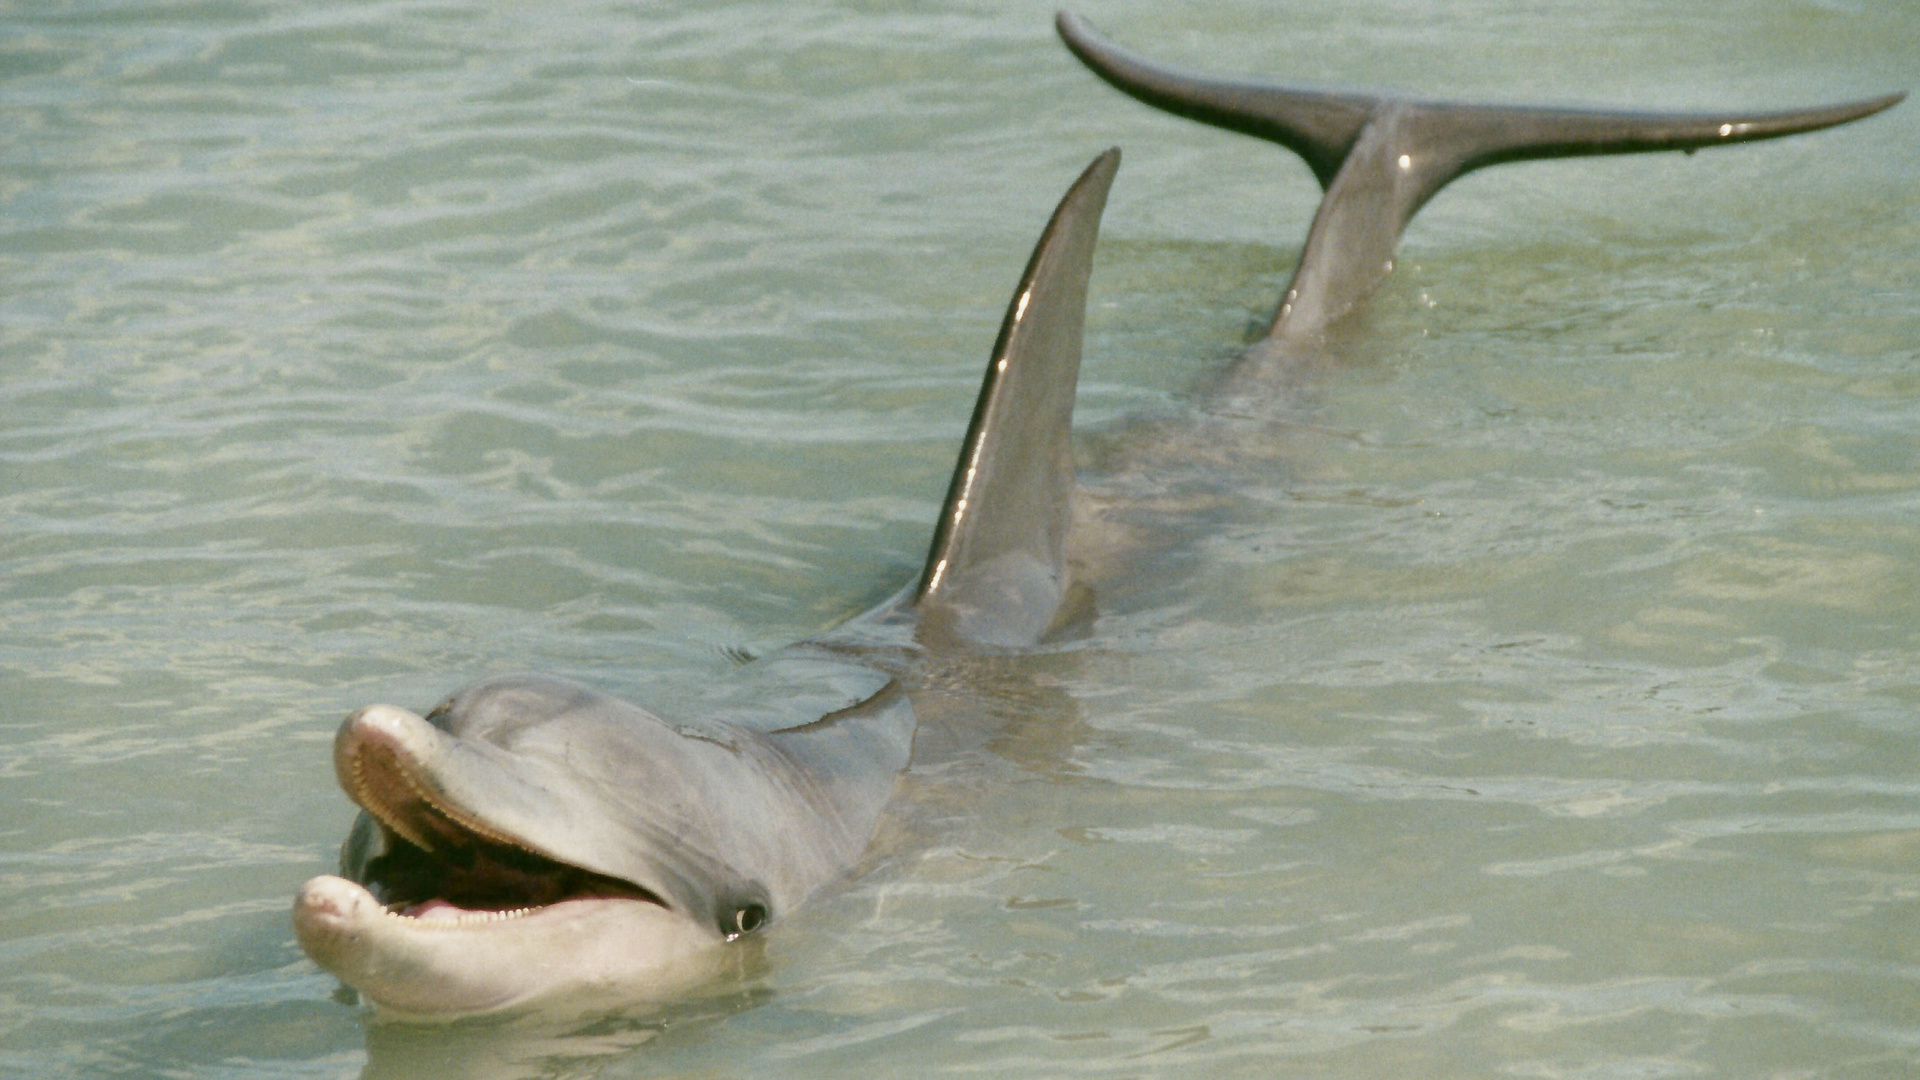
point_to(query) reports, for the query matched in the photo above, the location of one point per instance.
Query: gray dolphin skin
(1380, 156)
(532, 840)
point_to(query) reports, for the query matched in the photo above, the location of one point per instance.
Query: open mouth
(437, 864)
(480, 881)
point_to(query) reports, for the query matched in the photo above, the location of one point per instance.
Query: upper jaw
(386, 760)
(429, 849)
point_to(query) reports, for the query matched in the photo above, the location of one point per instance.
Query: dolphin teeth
(472, 918)
(465, 821)
(362, 792)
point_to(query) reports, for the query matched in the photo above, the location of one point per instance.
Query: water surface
(1542, 704)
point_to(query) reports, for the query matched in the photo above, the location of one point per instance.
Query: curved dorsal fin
(996, 572)
(1380, 157)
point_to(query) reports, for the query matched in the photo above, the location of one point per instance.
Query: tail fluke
(1381, 157)
(996, 572)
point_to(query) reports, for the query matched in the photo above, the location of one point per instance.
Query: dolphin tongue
(435, 909)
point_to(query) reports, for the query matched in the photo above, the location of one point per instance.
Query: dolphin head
(531, 839)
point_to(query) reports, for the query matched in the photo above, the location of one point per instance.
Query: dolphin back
(996, 572)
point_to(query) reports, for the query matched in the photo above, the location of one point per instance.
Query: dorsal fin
(996, 572)
(1380, 157)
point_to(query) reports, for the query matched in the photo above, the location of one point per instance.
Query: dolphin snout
(388, 727)
(330, 917)
(384, 757)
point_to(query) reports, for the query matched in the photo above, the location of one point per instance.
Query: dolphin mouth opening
(480, 881)
(428, 860)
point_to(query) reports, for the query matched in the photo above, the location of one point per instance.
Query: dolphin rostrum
(1381, 156)
(531, 839)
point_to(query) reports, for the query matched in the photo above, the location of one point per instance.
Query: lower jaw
(443, 967)
(446, 913)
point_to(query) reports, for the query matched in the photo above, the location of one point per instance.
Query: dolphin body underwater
(531, 840)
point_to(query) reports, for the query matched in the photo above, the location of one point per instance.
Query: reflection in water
(526, 1047)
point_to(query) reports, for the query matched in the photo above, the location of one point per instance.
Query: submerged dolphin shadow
(531, 841)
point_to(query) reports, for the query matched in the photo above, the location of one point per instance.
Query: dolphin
(530, 840)
(1380, 155)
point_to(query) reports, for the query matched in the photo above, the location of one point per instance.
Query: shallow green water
(1541, 703)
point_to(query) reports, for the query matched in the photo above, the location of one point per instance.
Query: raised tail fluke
(996, 573)
(1380, 157)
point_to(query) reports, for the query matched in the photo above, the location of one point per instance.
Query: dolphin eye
(746, 921)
